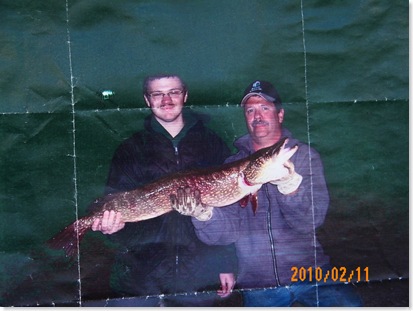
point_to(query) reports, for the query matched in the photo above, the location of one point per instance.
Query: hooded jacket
(163, 255)
(282, 234)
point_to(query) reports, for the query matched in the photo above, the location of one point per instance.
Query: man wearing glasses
(161, 260)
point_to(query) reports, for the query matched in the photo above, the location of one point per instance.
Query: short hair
(151, 78)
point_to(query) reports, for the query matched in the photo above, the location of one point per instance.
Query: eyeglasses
(160, 95)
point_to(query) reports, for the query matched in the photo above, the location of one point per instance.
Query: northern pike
(218, 187)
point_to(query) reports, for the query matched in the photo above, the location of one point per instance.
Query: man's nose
(257, 115)
(166, 98)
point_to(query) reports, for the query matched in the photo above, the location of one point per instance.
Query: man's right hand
(188, 202)
(110, 223)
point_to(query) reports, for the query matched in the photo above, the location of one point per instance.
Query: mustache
(259, 122)
(168, 104)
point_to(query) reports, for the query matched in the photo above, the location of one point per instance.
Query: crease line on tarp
(309, 146)
(119, 109)
(72, 99)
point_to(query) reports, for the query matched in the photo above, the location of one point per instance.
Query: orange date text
(335, 274)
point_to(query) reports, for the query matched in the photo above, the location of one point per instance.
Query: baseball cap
(264, 89)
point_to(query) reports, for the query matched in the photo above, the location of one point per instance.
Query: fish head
(268, 163)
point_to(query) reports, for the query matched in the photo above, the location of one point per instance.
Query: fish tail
(69, 238)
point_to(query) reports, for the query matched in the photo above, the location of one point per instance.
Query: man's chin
(260, 132)
(166, 117)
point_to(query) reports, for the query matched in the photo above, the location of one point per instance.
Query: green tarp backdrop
(341, 68)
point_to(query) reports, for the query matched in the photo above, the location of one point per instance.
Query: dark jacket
(282, 234)
(162, 255)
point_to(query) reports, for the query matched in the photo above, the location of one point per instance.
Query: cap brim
(266, 97)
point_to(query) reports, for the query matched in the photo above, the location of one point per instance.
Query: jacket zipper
(176, 246)
(176, 154)
(269, 229)
(176, 265)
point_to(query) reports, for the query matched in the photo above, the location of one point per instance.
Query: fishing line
(309, 147)
(75, 195)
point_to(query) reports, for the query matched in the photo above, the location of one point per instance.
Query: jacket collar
(190, 120)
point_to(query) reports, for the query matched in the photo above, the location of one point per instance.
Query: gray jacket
(281, 235)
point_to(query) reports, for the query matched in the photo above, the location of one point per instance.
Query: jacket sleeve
(122, 174)
(218, 152)
(221, 259)
(217, 149)
(222, 228)
(307, 207)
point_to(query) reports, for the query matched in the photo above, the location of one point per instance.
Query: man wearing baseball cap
(278, 241)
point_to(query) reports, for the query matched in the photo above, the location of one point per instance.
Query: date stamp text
(335, 274)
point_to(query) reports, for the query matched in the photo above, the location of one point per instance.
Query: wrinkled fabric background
(342, 72)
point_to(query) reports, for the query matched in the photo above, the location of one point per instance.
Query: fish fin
(254, 202)
(68, 239)
(244, 201)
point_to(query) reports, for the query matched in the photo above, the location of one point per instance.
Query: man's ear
(281, 115)
(148, 103)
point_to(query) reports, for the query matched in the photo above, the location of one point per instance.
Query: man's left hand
(227, 284)
(291, 180)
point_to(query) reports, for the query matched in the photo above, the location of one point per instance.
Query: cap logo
(256, 86)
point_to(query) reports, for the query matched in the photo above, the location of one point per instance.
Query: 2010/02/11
(335, 274)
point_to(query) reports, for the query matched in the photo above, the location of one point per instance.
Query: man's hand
(227, 284)
(188, 202)
(109, 223)
(290, 181)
